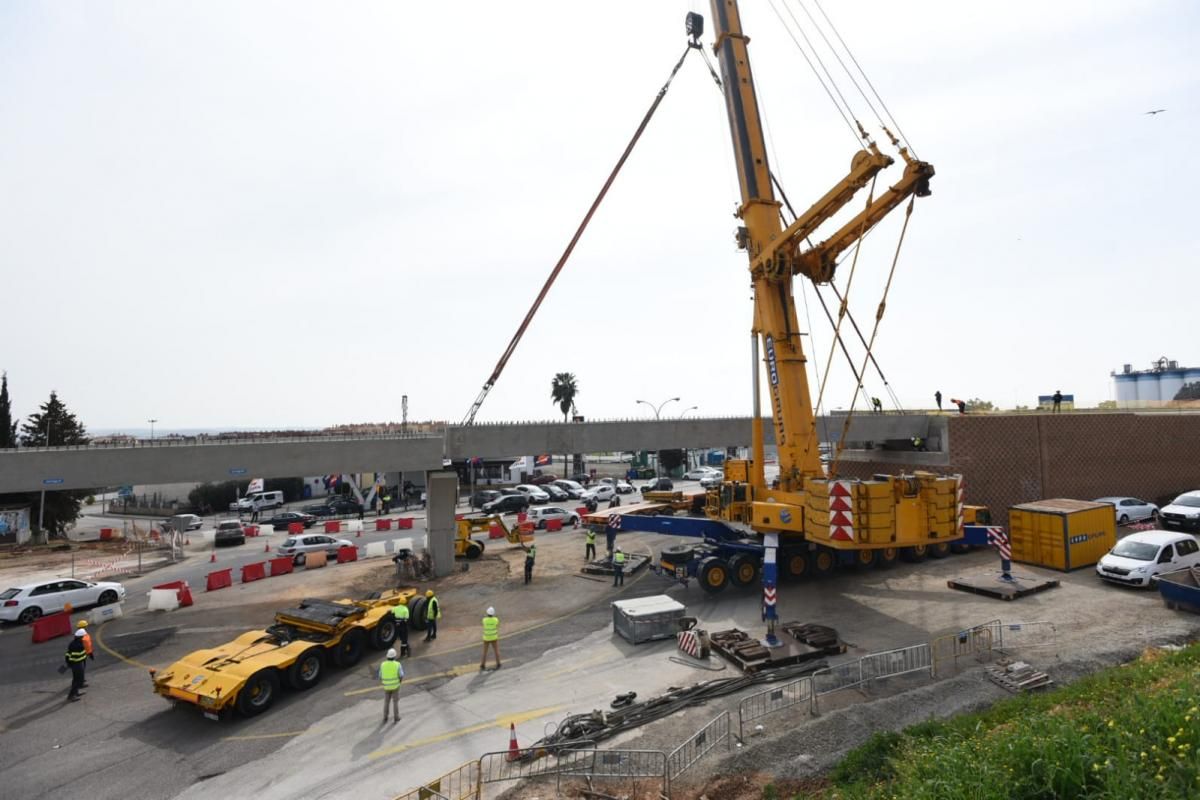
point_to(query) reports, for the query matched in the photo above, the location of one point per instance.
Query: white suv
(1140, 558)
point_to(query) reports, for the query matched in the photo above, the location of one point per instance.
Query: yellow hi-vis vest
(619, 558)
(591, 537)
(400, 612)
(390, 674)
(491, 629)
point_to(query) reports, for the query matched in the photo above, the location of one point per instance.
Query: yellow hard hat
(81, 624)
(429, 592)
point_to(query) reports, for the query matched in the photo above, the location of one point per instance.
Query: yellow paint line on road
(590, 662)
(255, 736)
(453, 672)
(130, 661)
(499, 722)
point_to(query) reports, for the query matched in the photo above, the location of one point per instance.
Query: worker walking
(589, 551)
(400, 614)
(75, 657)
(529, 558)
(937, 395)
(87, 646)
(391, 673)
(433, 612)
(1057, 400)
(491, 636)
(618, 567)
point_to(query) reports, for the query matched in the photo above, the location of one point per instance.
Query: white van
(259, 501)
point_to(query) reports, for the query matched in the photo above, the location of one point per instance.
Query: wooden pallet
(1018, 677)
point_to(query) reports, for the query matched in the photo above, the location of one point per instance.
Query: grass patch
(1127, 732)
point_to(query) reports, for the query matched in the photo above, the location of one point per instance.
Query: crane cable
(516, 339)
(874, 331)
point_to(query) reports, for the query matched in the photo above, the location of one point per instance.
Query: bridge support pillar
(441, 489)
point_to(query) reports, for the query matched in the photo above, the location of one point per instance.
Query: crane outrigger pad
(750, 655)
(603, 566)
(994, 585)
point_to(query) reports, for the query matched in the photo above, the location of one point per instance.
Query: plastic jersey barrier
(347, 554)
(220, 579)
(253, 572)
(281, 566)
(295, 527)
(51, 626)
(332, 526)
(182, 590)
(383, 524)
(554, 524)
(404, 523)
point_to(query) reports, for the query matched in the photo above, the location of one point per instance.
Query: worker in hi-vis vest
(433, 612)
(590, 551)
(390, 675)
(491, 637)
(400, 613)
(618, 567)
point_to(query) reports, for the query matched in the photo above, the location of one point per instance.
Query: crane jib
(773, 376)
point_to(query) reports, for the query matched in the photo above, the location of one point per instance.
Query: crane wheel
(305, 671)
(939, 550)
(958, 548)
(259, 693)
(416, 613)
(864, 558)
(824, 561)
(914, 554)
(743, 569)
(474, 549)
(383, 634)
(886, 557)
(714, 574)
(678, 554)
(348, 651)
(796, 565)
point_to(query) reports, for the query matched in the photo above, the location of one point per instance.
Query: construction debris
(1018, 676)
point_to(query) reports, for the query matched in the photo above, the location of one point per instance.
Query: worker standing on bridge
(618, 563)
(878, 406)
(391, 673)
(433, 612)
(400, 613)
(589, 551)
(937, 395)
(529, 558)
(75, 657)
(1057, 400)
(491, 636)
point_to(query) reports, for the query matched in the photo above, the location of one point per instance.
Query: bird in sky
(1156, 111)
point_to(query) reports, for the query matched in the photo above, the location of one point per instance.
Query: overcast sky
(261, 214)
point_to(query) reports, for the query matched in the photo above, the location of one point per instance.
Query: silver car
(298, 546)
(1131, 509)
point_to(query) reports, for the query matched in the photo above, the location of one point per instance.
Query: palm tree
(562, 392)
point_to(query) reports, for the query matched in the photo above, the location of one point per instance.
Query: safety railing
(698, 745)
(500, 766)
(901, 661)
(969, 642)
(458, 784)
(776, 698)
(1023, 636)
(617, 765)
(840, 676)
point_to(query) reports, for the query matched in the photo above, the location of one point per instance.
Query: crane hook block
(695, 26)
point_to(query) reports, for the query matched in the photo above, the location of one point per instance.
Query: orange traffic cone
(266, 547)
(187, 542)
(514, 752)
(359, 536)
(213, 558)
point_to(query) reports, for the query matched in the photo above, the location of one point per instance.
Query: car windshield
(1139, 551)
(9, 594)
(1191, 501)
(289, 542)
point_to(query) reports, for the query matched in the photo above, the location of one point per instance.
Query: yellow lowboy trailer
(248, 673)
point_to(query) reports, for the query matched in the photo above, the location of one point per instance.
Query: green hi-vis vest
(591, 537)
(491, 629)
(532, 554)
(389, 675)
(619, 558)
(433, 609)
(400, 612)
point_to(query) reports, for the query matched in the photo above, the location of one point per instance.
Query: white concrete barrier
(164, 599)
(401, 544)
(105, 613)
(375, 550)
(353, 526)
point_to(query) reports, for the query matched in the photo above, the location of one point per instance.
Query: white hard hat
(391, 653)
(80, 633)
(491, 612)
(618, 548)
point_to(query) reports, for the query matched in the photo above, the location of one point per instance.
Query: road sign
(52, 481)
(237, 470)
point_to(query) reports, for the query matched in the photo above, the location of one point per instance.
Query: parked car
(1131, 509)
(539, 516)
(507, 504)
(658, 485)
(1183, 512)
(582, 478)
(699, 473)
(1140, 557)
(535, 493)
(543, 478)
(191, 522)
(281, 520)
(483, 496)
(557, 495)
(712, 480)
(624, 487)
(298, 546)
(600, 493)
(26, 603)
(334, 507)
(229, 532)
(573, 489)
(259, 501)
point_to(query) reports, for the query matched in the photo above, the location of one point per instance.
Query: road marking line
(499, 722)
(130, 661)
(588, 663)
(453, 672)
(255, 736)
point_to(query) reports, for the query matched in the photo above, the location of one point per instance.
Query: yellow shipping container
(1061, 534)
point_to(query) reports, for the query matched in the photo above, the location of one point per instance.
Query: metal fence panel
(620, 764)
(698, 745)
(837, 677)
(776, 698)
(459, 784)
(950, 648)
(917, 658)
(1025, 636)
(496, 767)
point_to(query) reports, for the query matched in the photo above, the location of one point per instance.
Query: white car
(712, 480)
(1182, 512)
(624, 487)
(540, 516)
(298, 546)
(1131, 509)
(574, 490)
(534, 493)
(699, 473)
(601, 493)
(1140, 557)
(26, 603)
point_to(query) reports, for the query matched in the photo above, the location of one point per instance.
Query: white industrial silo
(1147, 389)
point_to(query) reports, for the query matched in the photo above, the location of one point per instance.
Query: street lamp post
(686, 410)
(152, 421)
(42, 508)
(657, 412)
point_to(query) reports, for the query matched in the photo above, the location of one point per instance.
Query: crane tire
(939, 549)
(349, 649)
(714, 574)
(743, 569)
(824, 561)
(915, 554)
(886, 557)
(958, 548)
(416, 613)
(796, 565)
(678, 554)
(474, 549)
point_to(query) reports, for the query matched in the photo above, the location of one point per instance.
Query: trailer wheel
(714, 574)
(259, 693)
(958, 548)
(824, 561)
(743, 569)
(886, 557)
(305, 671)
(349, 650)
(416, 613)
(796, 565)
(383, 634)
(939, 550)
(914, 554)
(678, 553)
(474, 549)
